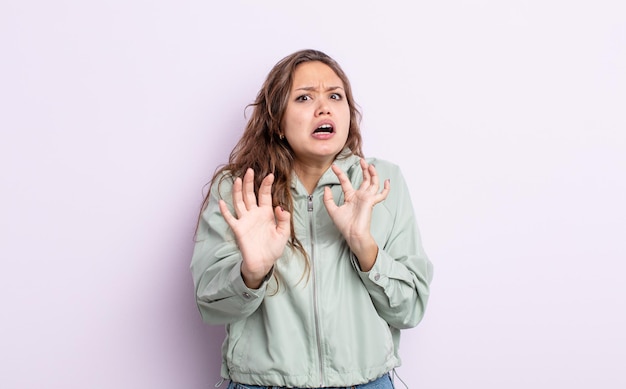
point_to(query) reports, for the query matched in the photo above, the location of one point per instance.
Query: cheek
(345, 112)
(346, 119)
(293, 121)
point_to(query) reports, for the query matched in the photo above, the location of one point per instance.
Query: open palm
(261, 230)
(353, 217)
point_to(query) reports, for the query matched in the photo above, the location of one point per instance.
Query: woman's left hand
(353, 217)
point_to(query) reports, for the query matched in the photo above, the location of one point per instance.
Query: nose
(323, 109)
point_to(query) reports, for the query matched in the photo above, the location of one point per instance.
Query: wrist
(254, 281)
(366, 254)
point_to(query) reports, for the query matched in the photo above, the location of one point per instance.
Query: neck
(309, 174)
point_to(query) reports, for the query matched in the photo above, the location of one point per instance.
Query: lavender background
(506, 117)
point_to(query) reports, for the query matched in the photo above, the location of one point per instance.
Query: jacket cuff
(378, 274)
(240, 289)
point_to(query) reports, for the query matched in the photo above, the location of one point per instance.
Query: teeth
(324, 128)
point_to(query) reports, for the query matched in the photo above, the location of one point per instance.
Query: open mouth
(324, 129)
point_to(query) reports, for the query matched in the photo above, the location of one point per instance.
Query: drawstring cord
(394, 374)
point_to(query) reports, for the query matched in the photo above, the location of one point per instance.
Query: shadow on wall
(172, 327)
(201, 343)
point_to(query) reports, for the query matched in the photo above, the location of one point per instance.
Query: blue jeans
(383, 382)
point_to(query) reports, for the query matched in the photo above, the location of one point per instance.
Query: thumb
(283, 220)
(329, 201)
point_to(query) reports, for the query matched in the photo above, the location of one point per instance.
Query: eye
(336, 96)
(303, 98)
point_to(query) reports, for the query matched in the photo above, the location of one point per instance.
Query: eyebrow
(312, 88)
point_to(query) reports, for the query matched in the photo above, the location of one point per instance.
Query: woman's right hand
(261, 232)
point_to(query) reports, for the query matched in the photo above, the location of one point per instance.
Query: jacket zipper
(315, 306)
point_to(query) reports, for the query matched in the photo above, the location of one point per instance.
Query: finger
(228, 216)
(283, 221)
(329, 201)
(238, 203)
(366, 175)
(249, 197)
(385, 192)
(346, 185)
(375, 180)
(265, 191)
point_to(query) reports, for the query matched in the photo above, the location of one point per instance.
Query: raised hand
(353, 217)
(261, 231)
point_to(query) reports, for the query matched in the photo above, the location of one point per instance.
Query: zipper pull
(310, 203)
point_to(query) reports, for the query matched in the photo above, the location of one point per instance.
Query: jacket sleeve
(398, 283)
(221, 295)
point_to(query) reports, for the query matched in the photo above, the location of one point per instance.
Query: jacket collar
(345, 160)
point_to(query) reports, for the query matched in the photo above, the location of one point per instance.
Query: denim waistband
(383, 382)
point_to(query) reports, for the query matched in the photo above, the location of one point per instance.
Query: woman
(311, 264)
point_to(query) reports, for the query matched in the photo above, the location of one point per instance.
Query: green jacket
(338, 326)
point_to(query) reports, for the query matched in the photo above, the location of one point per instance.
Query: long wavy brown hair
(261, 147)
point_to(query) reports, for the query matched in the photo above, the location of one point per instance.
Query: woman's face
(317, 118)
